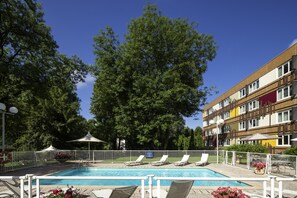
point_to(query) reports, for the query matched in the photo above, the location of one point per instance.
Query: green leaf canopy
(149, 82)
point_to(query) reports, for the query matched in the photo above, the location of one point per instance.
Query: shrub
(256, 148)
(61, 155)
(291, 151)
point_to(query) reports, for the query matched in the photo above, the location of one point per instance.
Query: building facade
(265, 102)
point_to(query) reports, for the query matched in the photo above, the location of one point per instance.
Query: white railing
(264, 180)
(271, 179)
(276, 164)
(280, 186)
(38, 178)
(22, 184)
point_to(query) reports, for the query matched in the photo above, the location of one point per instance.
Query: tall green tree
(198, 136)
(185, 140)
(36, 78)
(147, 83)
(107, 91)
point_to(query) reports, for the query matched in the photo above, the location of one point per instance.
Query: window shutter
(294, 62)
(294, 114)
(294, 88)
(246, 90)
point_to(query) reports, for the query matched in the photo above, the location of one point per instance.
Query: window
(242, 142)
(226, 128)
(242, 126)
(284, 140)
(220, 105)
(226, 102)
(208, 123)
(226, 115)
(220, 117)
(254, 86)
(253, 105)
(227, 142)
(242, 93)
(210, 111)
(284, 69)
(284, 116)
(242, 109)
(284, 93)
(253, 123)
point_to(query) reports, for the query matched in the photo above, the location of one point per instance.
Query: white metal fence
(268, 183)
(276, 164)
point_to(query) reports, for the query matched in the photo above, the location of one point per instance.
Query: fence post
(158, 188)
(296, 167)
(37, 188)
(248, 160)
(112, 156)
(12, 159)
(226, 157)
(280, 188)
(272, 182)
(264, 188)
(29, 177)
(150, 183)
(142, 188)
(233, 158)
(268, 164)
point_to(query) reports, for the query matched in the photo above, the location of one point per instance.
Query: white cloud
(88, 80)
(293, 42)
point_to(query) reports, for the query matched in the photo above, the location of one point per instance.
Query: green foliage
(192, 140)
(291, 151)
(199, 143)
(184, 139)
(256, 148)
(147, 83)
(189, 139)
(36, 79)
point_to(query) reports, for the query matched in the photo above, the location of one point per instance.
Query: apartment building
(265, 102)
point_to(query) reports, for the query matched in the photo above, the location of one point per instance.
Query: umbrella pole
(89, 152)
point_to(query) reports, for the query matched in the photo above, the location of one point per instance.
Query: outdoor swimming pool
(173, 172)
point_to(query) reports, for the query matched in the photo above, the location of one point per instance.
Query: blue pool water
(176, 172)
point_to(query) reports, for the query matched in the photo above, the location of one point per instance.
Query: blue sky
(248, 33)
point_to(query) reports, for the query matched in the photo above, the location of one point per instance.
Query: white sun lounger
(124, 192)
(162, 161)
(179, 188)
(183, 162)
(203, 161)
(14, 189)
(136, 162)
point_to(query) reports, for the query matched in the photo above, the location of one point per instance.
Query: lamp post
(11, 111)
(219, 122)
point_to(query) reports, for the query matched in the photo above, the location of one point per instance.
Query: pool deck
(197, 191)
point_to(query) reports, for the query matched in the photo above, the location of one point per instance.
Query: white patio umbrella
(50, 148)
(88, 138)
(259, 136)
(294, 139)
